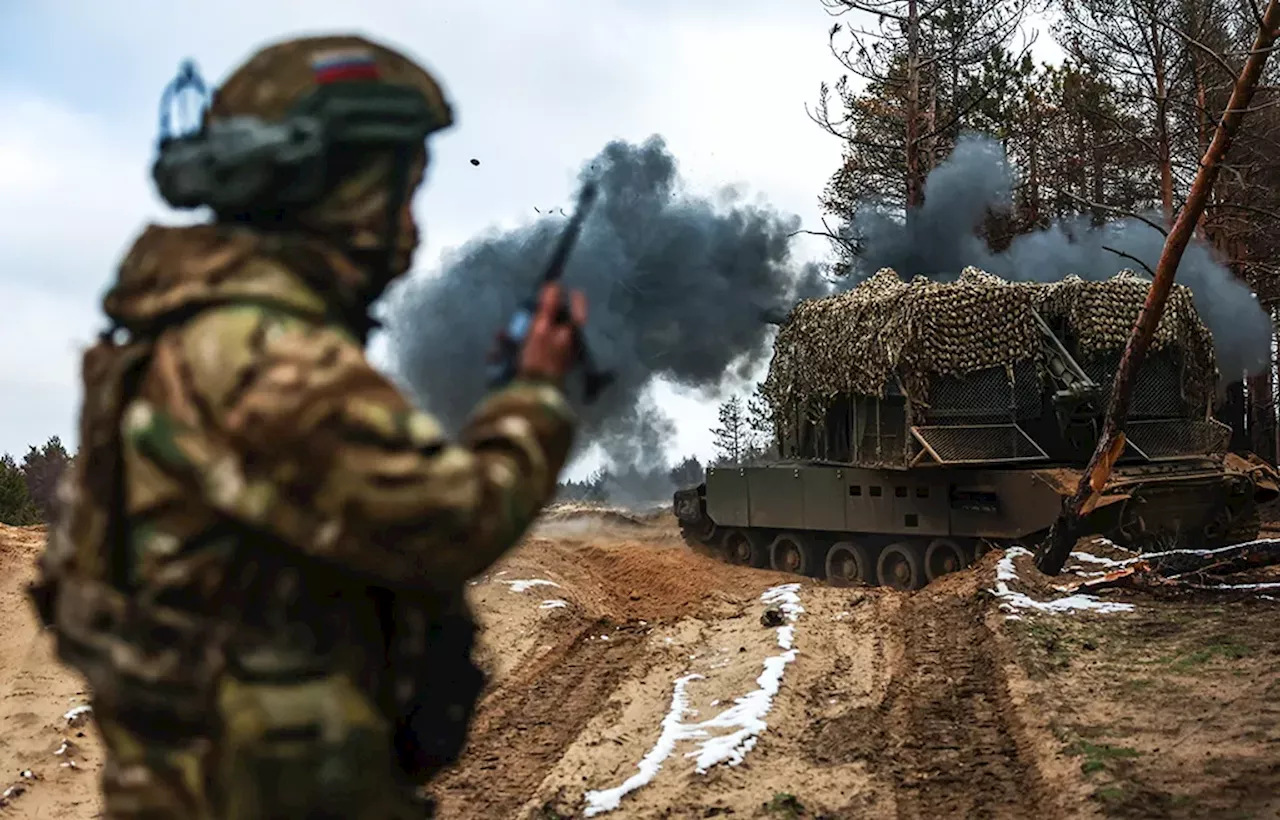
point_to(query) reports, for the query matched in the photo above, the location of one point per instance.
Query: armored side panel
(922, 502)
(727, 500)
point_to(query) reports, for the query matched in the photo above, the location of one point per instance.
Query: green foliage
(1099, 757)
(745, 432)
(785, 805)
(16, 507)
(731, 432)
(42, 467)
(633, 485)
(688, 473)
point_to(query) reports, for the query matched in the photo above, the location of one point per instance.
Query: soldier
(260, 564)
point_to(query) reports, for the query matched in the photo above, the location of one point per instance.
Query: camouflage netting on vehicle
(857, 341)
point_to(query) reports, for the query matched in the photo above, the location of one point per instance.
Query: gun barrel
(555, 269)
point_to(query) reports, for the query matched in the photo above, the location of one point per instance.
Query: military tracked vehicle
(918, 424)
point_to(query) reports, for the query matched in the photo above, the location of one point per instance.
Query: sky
(538, 86)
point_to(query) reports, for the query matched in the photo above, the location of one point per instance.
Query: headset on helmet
(241, 164)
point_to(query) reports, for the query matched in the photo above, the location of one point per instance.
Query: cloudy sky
(538, 86)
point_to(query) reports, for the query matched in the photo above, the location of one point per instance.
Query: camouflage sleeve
(356, 475)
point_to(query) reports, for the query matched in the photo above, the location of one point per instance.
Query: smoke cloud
(941, 239)
(676, 286)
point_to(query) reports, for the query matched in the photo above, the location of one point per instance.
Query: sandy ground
(631, 677)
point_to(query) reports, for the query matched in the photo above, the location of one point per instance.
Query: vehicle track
(523, 727)
(952, 735)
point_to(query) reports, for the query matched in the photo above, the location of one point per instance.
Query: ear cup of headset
(242, 163)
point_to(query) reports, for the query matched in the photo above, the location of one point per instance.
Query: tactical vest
(171, 673)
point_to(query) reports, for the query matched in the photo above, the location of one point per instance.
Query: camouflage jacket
(276, 490)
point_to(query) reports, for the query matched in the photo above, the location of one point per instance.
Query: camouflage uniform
(260, 564)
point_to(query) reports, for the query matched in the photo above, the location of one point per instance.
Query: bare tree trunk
(1275, 390)
(915, 168)
(1164, 149)
(1033, 182)
(1111, 443)
(1261, 416)
(1202, 124)
(1099, 181)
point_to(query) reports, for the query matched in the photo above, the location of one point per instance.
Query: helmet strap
(396, 195)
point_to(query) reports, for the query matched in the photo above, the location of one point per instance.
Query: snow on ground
(528, 584)
(1012, 600)
(744, 720)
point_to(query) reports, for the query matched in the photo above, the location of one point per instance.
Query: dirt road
(631, 677)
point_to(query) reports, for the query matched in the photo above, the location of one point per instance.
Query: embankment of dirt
(630, 676)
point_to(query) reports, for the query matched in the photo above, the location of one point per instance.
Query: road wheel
(794, 553)
(745, 548)
(703, 531)
(850, 563)
(943, 556)
(901, 566)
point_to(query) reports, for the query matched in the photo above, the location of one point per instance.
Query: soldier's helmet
(271, 83)
(325, 134)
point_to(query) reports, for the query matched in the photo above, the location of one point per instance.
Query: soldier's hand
(551, 348)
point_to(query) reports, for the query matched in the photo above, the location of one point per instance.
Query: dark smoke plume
(941, 238)
(677, 287)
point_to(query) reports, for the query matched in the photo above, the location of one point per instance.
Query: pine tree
(42, 467)
(687, 473)
(16, 508)
(731, 433)
(759, 424)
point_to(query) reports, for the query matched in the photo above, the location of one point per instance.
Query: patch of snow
(554, 603)
(786, 598)
(1107, 542)
(63, 748)
(604, 637)
(77, 712)
(527, 584)
(1106, 562)
(745, 718)
(1006, 572)
(673, 731)
(1215, 551)
(27, 773)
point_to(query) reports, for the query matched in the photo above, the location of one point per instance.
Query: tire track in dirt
(524, 725)
(951, 735)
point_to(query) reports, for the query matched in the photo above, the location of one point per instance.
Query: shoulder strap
(98, 527)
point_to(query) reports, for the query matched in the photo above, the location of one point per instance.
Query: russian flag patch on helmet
(343, 65)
